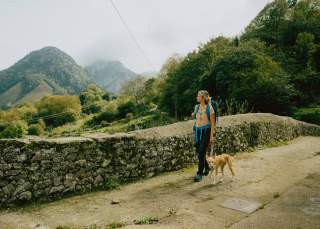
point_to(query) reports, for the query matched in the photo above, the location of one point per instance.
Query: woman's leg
(207, 140)
(197, 153)
(203, 164)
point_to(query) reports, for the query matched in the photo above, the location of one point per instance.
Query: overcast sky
(90, 29)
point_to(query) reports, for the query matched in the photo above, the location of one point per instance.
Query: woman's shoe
(197, 178)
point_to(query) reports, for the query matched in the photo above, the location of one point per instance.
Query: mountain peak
(110, 74)
(49, 68)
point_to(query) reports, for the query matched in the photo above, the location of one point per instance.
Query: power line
(49, 116)
(131, 35)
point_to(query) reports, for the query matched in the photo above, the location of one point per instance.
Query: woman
(204, 129)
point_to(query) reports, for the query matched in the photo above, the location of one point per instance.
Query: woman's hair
(205, 95)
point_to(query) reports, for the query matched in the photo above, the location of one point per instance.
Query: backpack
(215, 108)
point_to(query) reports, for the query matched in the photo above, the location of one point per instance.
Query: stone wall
(47, 169)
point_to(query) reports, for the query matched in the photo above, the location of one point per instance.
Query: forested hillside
(273, 66)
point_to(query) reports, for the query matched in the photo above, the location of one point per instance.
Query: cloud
(90, 30)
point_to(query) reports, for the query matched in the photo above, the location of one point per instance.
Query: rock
(3, 183)
(70, 181)
(56, 189)
(5, 167)
(81, 162)
(8, 189)
(57, 181)
(25, 195)
(12, 172)
(22, 158)
(105, 163)
(23, 187)
(98, 180)
(115, 201)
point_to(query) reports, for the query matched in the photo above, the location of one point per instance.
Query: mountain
(109, 75)
(42, 72)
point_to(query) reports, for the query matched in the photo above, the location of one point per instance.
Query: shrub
(127, 107)
(59, 110)
(146, 220)
(311, 115)
(14, 130)
(36, 129)
(115, 224)
(106, 116)
(129, 116)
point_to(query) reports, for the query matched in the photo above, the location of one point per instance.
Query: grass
(112, 225)
(146, 220)
(79, 128)
(112, 183)
(276, 195)
(63, 227)
(277, 144)
(115, 224)
(268, 145)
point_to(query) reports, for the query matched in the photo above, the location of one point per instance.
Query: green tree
(135, 88)
(91, 99)
(58, 110)
(246, 74)
(127, 107)
(182, 82)
(14, 130)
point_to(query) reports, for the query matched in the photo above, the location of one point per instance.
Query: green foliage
(246, 74)
(129, 116)
(115, 224)
(111, 183)
(126, 107)
(149, 121)
(291, 31)
(274, 65)
(135, 88)
(311, 115)
(107, 96)
(36, 129)
(63, 227)
(91, 99)
(242, 73)
(184, 80)
(108, 115)
(235, 107)
(276, 195)
(59, 110)
(146, 220)
(14, 130)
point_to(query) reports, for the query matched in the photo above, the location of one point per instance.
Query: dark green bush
(127, 107)
(15, 130)
(36, 129)
(311, 115)
(59, 110)
(106, 116)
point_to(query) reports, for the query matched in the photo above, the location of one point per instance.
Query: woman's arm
(213, 125)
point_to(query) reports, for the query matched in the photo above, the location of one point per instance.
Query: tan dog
(219, 161)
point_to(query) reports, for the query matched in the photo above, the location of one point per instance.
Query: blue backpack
(215, 108)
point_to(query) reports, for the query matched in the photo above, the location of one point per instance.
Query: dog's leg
(230, 167)
(216, 174)
(222, 173)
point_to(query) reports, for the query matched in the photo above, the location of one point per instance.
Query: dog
(219, 161)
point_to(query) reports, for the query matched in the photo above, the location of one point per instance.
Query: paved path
(284, 179)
